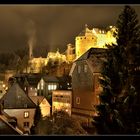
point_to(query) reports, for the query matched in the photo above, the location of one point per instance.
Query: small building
(46, 85)
(85, 74)
(65, 82)
(61, 100)
(32, 83)
(43, 103)
(17, 104)
(28, 82)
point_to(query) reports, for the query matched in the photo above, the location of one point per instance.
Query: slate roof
(50, 79)
(93, 58)
(15, 98)
(39, 99)
(92, 52)
(33, 79)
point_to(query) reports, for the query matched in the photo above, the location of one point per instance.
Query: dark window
(26, 124)
(77, 100)
(85, 68)
(79, 69)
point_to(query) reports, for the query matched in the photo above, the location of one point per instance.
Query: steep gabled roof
(39, 99)
(33, 80)
(92, 52)
(50, 79)
(93, 57)
(15, 98)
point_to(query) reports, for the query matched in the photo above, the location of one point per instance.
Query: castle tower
(95, 38)
(84, 41)
(70, 53)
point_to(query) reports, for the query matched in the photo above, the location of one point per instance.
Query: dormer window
(79, 69)
(85, 68)
(77, 100)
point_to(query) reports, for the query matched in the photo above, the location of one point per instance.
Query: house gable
(16, 98)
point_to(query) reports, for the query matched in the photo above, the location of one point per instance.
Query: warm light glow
(94, 32)
(52, 87)
(38, 86)
(26, 114)
(3, 85)
(97, 38)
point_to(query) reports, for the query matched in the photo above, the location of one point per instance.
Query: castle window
(77, 100)
(79, 69)
(26, 114)
(85, 68)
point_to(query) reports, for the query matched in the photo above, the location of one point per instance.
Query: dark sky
(50, 27)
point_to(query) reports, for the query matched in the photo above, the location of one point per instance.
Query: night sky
(49, 27)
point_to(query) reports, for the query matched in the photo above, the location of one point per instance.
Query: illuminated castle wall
(36, 64)
(70, 53)
(95, 38)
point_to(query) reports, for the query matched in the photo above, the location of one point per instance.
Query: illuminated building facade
(85, 73)
(94, 38)
(88, 38)
(36, 64)
(70, 53)
(46, 85)
(43, 104)
(61, 100)
(17, 104)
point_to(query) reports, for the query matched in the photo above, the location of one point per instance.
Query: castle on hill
(88, 38)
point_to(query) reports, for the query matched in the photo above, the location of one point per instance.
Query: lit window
(85, 68)
(26, 124)
(77, 100)
(55, 87)
(42, 84)
(49, 87)
(26, 114)
(3, 85)
(79, 69)
(38, 86)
